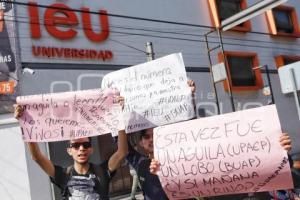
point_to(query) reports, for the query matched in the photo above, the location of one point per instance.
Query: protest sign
(69, 115)
(156, 93)
(226, 154)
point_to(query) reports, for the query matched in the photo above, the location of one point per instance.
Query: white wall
(14, 182)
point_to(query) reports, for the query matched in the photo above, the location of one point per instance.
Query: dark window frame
(257, 76)
(281, 60)
(273, 22)
(216, 20)
(283, 21)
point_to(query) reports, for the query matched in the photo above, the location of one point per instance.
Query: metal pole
(269, 83)
(226, 65)
(212, 75)
(293, 76)
(149, 51)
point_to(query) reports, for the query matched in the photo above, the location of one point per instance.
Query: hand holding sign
(69, 115)
(154, 166)
(285, 142)
(226, 154)
(18, 111)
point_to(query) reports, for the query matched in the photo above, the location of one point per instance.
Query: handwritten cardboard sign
(156, 92)
(69, 115)
(226, 154)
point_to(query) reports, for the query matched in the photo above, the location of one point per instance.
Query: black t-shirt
(89, 186)
(150, 183)
(296, 177)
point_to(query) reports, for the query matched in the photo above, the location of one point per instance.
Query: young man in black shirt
(82, 180)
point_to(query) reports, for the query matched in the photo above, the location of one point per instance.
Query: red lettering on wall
(87, 26)
(60, 22)
(34, 20)
(54, 18)
(71, 53)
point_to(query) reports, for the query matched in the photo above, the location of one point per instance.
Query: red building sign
(62, 23)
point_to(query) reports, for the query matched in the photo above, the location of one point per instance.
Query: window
(222, 9)
(282, 60)
(227, 8)
(241, 75)
(283, 21)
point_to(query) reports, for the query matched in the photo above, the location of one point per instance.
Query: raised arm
(35, 151)
(116, 159)
(122, 151)
(41, 159)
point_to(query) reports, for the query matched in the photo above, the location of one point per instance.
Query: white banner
(156, 92)
(233, 153)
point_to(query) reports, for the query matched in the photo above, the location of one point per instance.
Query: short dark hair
(90, 140)
(142, 134)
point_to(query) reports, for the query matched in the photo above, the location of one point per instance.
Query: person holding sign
(150, 183)
(82, 180)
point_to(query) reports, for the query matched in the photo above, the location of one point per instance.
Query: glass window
(283, 21)
(227, 8)
(223, 9)
(241, 71)
(241, 76)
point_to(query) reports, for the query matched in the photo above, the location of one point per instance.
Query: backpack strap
(97, 170)
(65, 191)
(69, 169)
(102, 180)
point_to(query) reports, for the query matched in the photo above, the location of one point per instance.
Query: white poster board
(233, 153)
(156, 92)
(286, 80)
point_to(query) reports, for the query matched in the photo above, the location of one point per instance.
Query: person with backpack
(82, 180)
(150, 184)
